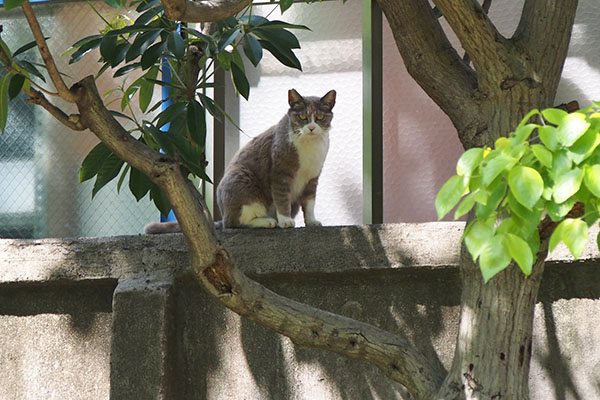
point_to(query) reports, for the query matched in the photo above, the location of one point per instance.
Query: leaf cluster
(539, 170)
(186, 59)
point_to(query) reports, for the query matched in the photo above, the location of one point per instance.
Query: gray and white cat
(277, 172)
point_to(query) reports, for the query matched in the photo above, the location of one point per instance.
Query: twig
(61, 87)
(72, 121)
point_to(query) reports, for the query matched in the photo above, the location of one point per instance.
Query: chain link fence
(39, 158)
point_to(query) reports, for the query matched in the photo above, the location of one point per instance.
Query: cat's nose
(312, 127)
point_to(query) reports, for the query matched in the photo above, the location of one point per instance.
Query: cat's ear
(294, 97)
(329, 99)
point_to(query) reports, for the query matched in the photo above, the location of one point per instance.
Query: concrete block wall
(123, 318)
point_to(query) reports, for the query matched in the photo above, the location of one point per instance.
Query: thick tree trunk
(509, 78)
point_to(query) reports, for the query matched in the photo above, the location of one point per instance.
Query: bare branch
(57, 80)
(71, 121)
(430, 58)
(202, 11)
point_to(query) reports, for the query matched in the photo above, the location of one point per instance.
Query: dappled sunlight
(232, 357)
(306, 379)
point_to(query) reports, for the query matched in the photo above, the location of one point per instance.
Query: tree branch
(212, 265)
(478, 36)
(430, 58)
(70, 121)
(202, 11)
(544, 32)
(59, 84)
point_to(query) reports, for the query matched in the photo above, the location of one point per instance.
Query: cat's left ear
(329, 99)
(294, 97)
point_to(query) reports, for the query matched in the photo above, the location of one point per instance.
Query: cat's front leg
(281, 188)
(308, 208)
(308, 203)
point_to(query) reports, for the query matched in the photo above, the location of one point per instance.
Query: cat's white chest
(311, 157)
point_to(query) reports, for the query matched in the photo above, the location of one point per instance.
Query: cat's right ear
(294, 97)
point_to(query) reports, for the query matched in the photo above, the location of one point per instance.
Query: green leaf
(497, 192)
(109, 171)
(93, 162)
(567, 185)
(592, 179)
(122, 177)
(108, 49)
(171, 113)
(574, 233)
(522, 133)
(495, 166)
(466, 205)
(147, 88)
(527, 117)
(584, 146)
(153, 54)
(141, 43)
(549, 136)
(494, 257)
(160, 200)
(469, 161)
(240, 81)
(561, 163)
(285, 4)
(15, 86)
(4, 99)
(554, 115)
(558, 211)
(6, 51)
(176, 45)
(29, 67)
(196, 121)
(543, 155)
(571, 128)
(450, 194)
(530, 217)
(284, 55)
(519, 250)
(126, 69)
(26, 47)
(252, 49)
(139, 184)
(526, 184)
(10, 4)
(476, 237)
(228, 38)
(591, 213)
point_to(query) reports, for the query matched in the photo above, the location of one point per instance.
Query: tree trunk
(509, 77)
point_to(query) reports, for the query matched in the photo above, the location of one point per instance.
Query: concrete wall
(123, 318)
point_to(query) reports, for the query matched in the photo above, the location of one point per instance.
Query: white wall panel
(331, 57)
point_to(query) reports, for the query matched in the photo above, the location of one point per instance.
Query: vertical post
(372, 114)
(218, 139)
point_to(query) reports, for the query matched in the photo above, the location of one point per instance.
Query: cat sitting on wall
(277, 172)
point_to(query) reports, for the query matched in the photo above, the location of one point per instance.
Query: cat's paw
(285, 222)
(313, 222)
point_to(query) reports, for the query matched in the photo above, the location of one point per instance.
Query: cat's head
(310, 116)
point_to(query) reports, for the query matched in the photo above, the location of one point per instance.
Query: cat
(277, 172)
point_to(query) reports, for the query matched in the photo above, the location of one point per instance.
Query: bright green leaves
(571, 128)
(573, 232)
(526, 184)
(449, 195)
(539, 170)
(567, 185)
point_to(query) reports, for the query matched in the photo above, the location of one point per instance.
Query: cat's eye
(320, 117)
(302, 117)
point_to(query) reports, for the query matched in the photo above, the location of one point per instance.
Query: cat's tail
(155, 228)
